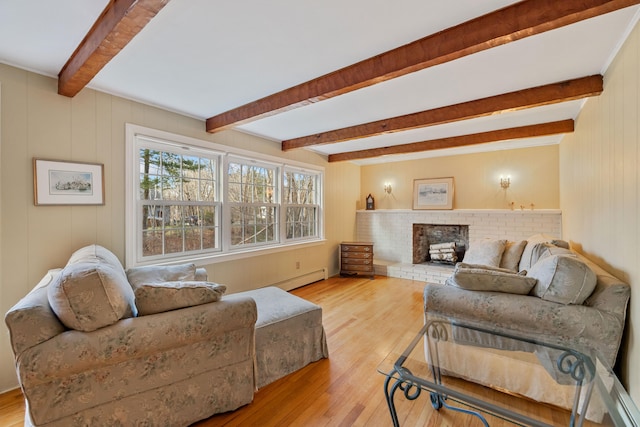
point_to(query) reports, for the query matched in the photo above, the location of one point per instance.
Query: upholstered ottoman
(289, 333)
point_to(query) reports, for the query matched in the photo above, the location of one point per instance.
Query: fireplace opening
(445, 237)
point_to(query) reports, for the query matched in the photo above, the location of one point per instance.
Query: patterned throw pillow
(511, 255)
(154, 298)
(485, 252)
(92, 290)
(480, 278)
(563, 278)
(88, 296)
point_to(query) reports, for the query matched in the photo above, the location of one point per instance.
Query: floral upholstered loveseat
(97, 345)
(538, 288)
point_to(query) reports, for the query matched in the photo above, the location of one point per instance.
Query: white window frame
(276, 168)
(318, 204)
(225, 252)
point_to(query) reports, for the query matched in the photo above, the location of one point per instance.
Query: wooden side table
(356, 258)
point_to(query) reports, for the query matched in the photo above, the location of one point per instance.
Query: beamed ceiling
(367, 81)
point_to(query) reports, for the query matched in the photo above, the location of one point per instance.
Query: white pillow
(485, 252)
(161, 273)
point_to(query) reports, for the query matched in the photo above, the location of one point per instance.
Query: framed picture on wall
(433, 193)
(57, 182)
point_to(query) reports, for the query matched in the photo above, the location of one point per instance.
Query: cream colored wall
(534, 179)
(600, 188)
(36, 122)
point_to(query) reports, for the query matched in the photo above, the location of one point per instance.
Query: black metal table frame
(570, 362)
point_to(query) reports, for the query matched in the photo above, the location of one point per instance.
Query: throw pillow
(161, 273)
(477, 278)
(90, 295)
(485, 252)
(563, 278)
(543, 250)
(512, 254)
(527, 254)
(95, 253)
(154, 298)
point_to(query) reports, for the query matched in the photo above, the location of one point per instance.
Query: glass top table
(448, 358)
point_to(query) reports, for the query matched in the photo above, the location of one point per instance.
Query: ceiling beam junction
(514, 22)
(531, 131)
(119, 23)
(513, 101)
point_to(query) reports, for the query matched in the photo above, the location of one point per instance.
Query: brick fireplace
(391, 232)
(425, 235)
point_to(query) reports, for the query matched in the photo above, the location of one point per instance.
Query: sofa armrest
(32, 321)
(580, 326)
(74, 352)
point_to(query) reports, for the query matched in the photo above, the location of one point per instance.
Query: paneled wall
(37, 122)
(600, 188)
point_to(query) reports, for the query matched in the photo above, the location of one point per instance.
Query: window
(252, 196)
(301, 204)
(178, 201)
(191, 200)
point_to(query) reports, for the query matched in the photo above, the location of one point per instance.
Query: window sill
(203, 260)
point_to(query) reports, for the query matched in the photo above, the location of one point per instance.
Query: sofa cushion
(512, 254)
(95, 253)
(528, 257)
(161, 273)
(92, 290)
(543, 250)
(485, 252)
(154, 298)
(87, 296)
(565, 279)
(480, 278)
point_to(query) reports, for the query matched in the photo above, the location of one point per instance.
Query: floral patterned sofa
(97, 345)
(544, 290)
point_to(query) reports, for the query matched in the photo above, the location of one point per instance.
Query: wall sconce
(505, 182)
(387, 188)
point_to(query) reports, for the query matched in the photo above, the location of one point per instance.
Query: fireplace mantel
(391, 230)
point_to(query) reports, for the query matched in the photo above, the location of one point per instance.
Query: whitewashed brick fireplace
(391, 232)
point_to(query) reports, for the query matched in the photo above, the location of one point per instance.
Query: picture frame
(59, 182)
(433, 193)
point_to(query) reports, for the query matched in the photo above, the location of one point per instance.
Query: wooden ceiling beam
(514, 22)
(531, 131)
(119, 23)
(513, 101)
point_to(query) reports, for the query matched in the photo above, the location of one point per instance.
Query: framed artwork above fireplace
(433, 193)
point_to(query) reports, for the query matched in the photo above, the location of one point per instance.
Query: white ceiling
(203, 57)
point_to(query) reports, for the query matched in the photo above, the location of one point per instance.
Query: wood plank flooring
(364, 320)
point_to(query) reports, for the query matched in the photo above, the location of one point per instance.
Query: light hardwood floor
(364, 320)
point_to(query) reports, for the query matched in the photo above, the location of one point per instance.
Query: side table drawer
(357, 255)
(355, 268)
(356, 248)
(356, 261)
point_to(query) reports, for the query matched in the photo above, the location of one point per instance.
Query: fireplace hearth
(425, 235)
